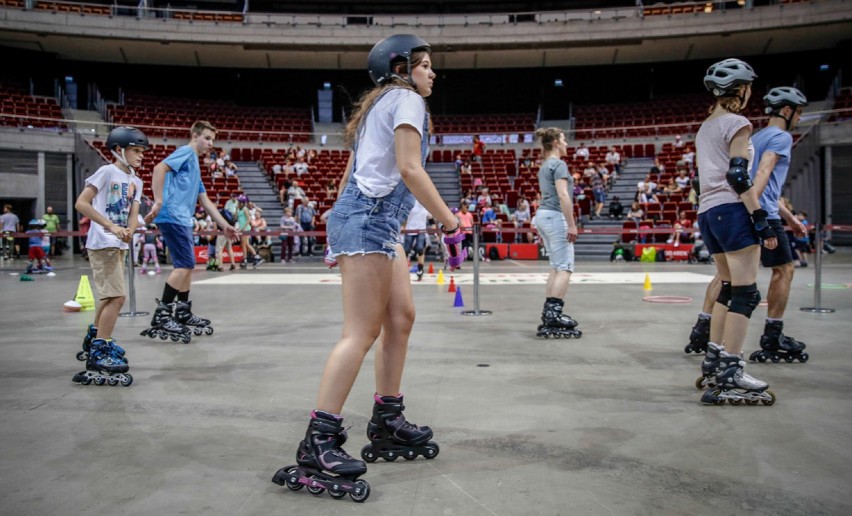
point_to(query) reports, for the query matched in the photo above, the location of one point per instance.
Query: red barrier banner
(202, 257)
(679, 253)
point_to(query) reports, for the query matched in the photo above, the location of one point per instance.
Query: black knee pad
(724, 293)
(744, 300)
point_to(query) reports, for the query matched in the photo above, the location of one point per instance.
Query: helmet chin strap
(123, 160)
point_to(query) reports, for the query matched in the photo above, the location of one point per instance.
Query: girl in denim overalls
(389, 134)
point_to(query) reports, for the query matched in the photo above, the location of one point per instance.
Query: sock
(703, 315)
(169, 294)
(770, 319)
(183, 296)
(554, 300)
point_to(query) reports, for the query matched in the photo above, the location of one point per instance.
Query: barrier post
(476, 311)
(131, 286)
(817, 308)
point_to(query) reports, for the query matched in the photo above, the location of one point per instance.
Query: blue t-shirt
(772, 139)
(182, 188)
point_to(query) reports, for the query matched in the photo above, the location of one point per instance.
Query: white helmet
(725, 76)
(782, 96)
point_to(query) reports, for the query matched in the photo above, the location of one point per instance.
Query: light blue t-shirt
(772, 139)
(182, 187)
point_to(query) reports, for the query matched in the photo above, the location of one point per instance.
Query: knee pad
(724, 293)
(744, 300)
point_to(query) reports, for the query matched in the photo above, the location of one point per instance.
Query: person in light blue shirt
(177, 186)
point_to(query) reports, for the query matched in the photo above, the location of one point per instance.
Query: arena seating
(843, 101)
(484, 124)
(16, 100)
(272, 124)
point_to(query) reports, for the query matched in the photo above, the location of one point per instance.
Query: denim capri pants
(553, 230)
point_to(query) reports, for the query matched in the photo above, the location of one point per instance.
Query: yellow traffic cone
(648, 282)
(440, 280)
(84, 294)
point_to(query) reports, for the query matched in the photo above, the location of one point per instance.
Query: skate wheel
(409, 455)
(688, 348)
(771, 400)
(761, 358)
(751, 403)
(163, 336)
(717, 399)
(208, 330)
(112, 382)
(82, 356)
(174, 338)
(789, 359)
(390, 456)
(337, 495)
(579, 334)
(292, 479)
(100, 380)
(127, 380)
(736, 403)
(84, 379)
(362, 491)
(775, 359)
(699, 383)
(431, 450)
(367, 454)
(196, 331)
(315, 490)
(804, 357)
(186, 338)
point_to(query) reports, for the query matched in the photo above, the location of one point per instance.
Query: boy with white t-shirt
(111, 201)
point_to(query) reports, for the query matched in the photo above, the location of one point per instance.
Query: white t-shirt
(417, 217)
(376, 172)
(582, 152)
(117, 191)
(300, 168)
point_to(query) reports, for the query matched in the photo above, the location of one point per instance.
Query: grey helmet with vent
(390, 51)
(724, 77)
(782, 96)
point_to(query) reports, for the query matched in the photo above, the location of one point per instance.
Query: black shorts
(781, 255)
(727, 228)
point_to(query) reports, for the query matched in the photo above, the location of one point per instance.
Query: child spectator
(37, 254)
(288, 223)
(616, 209)
(149, 249)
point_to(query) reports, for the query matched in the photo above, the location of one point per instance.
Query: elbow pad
(738, 177)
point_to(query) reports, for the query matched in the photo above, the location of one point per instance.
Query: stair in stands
(257, 188)
(446, 180)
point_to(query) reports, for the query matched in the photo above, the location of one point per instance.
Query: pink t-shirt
(713, 143)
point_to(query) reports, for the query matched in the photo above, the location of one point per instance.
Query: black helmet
(391, 50)
(124, 137)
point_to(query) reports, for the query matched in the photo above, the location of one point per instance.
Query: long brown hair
(363, 105)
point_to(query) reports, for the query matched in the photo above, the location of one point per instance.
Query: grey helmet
(782, 96)
(392, 50)
(725, 76)
(124, 137)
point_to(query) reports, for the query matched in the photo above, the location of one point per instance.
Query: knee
(744, 299)
(118, 301)
(783, 272)
(402, 319)
(724, 297)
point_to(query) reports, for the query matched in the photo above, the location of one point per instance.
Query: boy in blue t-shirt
(177, 186)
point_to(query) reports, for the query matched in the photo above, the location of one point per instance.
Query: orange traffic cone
(452, 285)
(431, 269)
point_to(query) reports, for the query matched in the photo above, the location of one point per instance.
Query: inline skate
(323, 465)
(184, 315)
(699, 336)
(103, 366)
(91, 334)
(164, 325)
(776, 346)
(391, 436)
(733, 385)
(709, 366)
(419, 272)
(556, 324)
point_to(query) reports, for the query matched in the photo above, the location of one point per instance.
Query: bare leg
(719, 311)
(105, 321)
(557, 284)
(779, 290)
(399, 319)
(743, 267)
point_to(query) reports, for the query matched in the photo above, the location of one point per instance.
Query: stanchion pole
(817, 308)
(476, 311)
(131, 286)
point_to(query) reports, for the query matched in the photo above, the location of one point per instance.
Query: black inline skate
(391, 436)
(92, 334)
(184, 315)
(699, 336)
(103, 366)
(733, 385)
(323, 464)
(709, 367)
(556, 324)
(164, 325)
(776, 346)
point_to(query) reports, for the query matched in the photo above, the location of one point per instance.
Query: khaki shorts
(108, 270)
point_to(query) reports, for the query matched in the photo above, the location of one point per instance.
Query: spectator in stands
(218, 174)
(306, 214)
(312, 155)
(331, 189)
(636, 213)
(288, 223)
(465, 217)
(616, 209)
(582, 152)
(535, 204)
(659, 165)
(478, 149)
(244, 226)
(521, 217)
(484, 198)
(646, 186)
(300, 167)
(466, 168)
(679, 225)
(295, 192)
(199, 224)
(263, 245)
(276, 169)
(603, 171)
(458, 162)
(682, 179)
(469, 199)
(289, 168)
(672, 187)
(300, 152)
(599, 194)
(490, 222)
(613, 157)
(220, 163)
(689, 155)
(648, 198)
(578, 192)
(589, 172)
(52, 226)
(230, 170)
(678, 143)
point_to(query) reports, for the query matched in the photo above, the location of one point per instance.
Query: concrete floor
(607, 424)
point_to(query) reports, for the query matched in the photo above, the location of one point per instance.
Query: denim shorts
(178, 240)
(727, 228)
(781, 255)
(359, 224)
(415, 241)
(553, 230)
